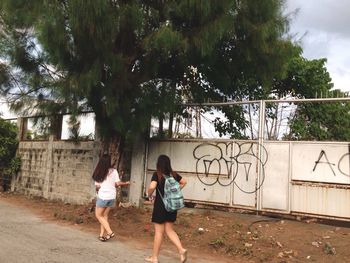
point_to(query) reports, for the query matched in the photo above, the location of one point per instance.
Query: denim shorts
(105, 203)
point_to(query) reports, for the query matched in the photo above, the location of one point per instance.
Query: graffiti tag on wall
(226, 163)
(341, 165)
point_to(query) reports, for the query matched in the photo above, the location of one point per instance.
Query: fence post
(258, 193)
(22, 124)
(138, 171)
(49, 162)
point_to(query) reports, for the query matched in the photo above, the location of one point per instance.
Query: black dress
(160, 215)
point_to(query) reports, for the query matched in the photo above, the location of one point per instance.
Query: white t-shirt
(107, 189)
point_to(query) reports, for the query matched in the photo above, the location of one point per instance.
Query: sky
(324, 29)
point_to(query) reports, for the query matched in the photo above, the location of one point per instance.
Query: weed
(217, 243)
(231, 249)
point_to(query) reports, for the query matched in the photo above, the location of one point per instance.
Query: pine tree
(127, 60)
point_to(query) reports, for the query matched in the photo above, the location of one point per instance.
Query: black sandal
(102, 238)
(109, 236)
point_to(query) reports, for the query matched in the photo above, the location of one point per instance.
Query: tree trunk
(161, 129)
(115, 147)
(171, 121)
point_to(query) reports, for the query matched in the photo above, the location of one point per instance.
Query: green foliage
(15, 165)
(314, 121)
(127, 60)
(8, 146)
(321, 121)
(178, 135)
(9, 163)
(235, 125)
(305, 78)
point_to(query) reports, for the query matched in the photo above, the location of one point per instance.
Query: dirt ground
(224, 236)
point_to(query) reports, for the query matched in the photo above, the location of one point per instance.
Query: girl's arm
(122, 183)
(97, 186)
(151, 188)
(182, 182)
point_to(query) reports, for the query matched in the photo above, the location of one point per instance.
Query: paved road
(25, 238)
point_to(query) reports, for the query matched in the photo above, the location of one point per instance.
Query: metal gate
(288, 177)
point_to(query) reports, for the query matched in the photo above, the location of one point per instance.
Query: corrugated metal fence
(289, 177)
(308, 178)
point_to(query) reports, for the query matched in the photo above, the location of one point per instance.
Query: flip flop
(109, 236)
(102, 238)
(150, 259)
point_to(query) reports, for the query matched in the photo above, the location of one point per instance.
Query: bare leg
(158, 240)
(106, 212)
(102, 231)
(103, 221)
(172, 235)
(105, 215)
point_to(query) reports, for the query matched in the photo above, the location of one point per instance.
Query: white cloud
(325, 24)
(323, 15)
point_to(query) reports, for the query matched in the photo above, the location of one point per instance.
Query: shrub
(9, 163)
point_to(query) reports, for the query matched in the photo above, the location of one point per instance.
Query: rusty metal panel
(245, 174)
(201, 175)
(321, 199)
(275, 188)
(220, 169)
(195, 191)
(310, 178)
(180, 153)
(243, 199)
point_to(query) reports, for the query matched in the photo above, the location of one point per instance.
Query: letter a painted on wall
(322, 153)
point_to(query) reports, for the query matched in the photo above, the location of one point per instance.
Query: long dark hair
(101, 170)
(164, 166)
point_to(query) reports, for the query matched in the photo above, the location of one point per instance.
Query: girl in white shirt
(106, 180)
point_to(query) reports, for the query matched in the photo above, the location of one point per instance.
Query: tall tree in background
(308, 120)
(314, 121)
(246, 63)
(127, 60)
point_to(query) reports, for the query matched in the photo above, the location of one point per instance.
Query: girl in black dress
(162, 219)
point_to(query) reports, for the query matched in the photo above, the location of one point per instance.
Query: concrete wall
(137, 176)
(57, 170)
(61, 170)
